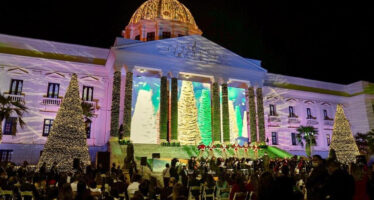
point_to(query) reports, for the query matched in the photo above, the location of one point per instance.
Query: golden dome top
(164, 9)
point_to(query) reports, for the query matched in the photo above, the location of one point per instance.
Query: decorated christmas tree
(188, 129)
(342, 141)
(67, 139)
(143, 123)
(239, 120)
(205, 118)
(245, 125)
(234, 131)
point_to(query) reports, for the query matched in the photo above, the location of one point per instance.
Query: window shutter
(14, 125)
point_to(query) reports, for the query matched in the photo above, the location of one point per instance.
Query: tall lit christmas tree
(234, 131)
(205, 118)
(245, 125)
(67, 139)
(342, 140)
(143, 123)
(239, 120)
(188, 130)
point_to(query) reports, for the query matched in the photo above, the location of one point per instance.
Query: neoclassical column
(260, 115)
(164, 109)
(116, 96)
(174, 109)
(225, 114)
(128, 104)
(216, 114)
(252, 114)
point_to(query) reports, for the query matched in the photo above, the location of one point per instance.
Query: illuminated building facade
(163, 81)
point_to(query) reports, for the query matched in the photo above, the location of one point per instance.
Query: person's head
(285, 170)
(167, 165)
(317, 161)
(332, 166)
(172, 182)
(81, 187)
(65, 193)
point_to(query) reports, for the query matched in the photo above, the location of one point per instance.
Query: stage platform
(183, 153)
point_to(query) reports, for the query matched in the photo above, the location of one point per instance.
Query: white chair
(208, 195)
(194, 189)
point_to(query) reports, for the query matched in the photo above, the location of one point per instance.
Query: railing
(274, 119)
(16, 97)
(293, 120)
(328, 123)
(93, 104)
(311, 122)
(51, 101)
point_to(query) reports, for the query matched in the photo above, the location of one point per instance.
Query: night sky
(322, 40)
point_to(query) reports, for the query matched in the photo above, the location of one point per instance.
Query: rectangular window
(88, 129)
(16, 87)
(291, 112)
(47, 126)
(308, 113)
(5, 155)
(166, 35)
(328, 139)
(53, 90)
(87, 94)
(137, 37)
(10, 126)
(151, 36)
(274, 138)
(293, 137)
(325, 115)
(272, 110)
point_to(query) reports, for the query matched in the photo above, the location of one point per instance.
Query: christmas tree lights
(188, 130)
(342, 141)
(67, 139)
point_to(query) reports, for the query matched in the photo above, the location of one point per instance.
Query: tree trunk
(1, 130)
(308, 149)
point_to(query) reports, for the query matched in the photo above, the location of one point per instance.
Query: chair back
(240, 195)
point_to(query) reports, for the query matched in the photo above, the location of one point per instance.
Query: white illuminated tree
(67, 139)
(188, 129)
(245, 125)
(342, 140)
(143, 123)
(234, 131)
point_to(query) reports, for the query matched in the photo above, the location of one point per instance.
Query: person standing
(166, 175)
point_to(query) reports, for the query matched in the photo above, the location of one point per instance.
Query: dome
(163, 9)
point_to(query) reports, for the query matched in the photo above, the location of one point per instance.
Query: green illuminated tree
(67, 139)
(205, 117)
(239, 120)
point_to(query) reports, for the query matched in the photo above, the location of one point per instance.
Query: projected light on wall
(194, 112)
(145, 110)
(237, 113)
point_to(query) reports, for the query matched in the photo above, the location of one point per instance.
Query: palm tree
(88, 111)
(307, 134)
(365, 142)
(10, 108)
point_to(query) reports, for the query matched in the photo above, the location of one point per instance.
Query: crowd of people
(213, 178)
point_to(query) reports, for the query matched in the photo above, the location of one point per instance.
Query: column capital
(221, 80)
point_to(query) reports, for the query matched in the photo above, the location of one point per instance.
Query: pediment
(89, 78)
(17, 71)
(56, 75)
(194, 50)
